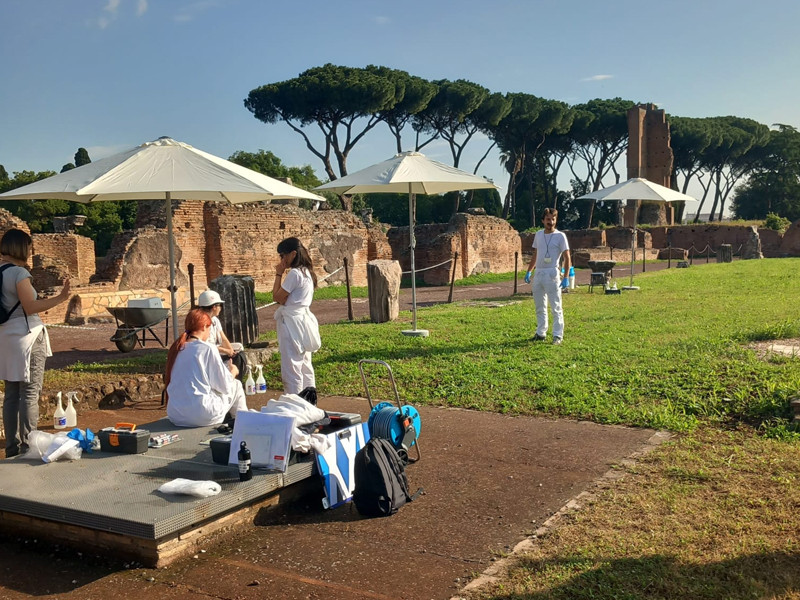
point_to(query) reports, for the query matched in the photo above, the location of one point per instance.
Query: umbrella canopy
(160, 170)
(637, 189)
(414, 173)
(410, 172)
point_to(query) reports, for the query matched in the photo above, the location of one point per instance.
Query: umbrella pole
(412, 243)
(632, 287)
(172, 269)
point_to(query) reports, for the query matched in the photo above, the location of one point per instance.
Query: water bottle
(60, 416)
(249, 384)
(72, 415)
(261, 383)
(572, 278)
(245, 470)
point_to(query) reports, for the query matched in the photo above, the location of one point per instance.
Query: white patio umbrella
(414, 173)
(636, 189)
(160, 170)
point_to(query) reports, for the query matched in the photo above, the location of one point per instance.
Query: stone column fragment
(383, 284)
(239, 318)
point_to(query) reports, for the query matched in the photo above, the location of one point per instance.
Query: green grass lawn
(671, 355)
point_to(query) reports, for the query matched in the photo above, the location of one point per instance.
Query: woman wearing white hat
(211, 302)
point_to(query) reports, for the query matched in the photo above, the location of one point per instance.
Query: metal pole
(453, 277)
(190, 268)
(349, 297)
(172, 288)
(412, 244)
(516, 271)
(644, 259)
(633, 251)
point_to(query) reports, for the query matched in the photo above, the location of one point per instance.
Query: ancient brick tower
(649, 156)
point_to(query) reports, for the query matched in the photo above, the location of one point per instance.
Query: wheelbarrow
(132, 321)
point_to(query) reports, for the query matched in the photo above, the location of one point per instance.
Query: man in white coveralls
(549, 245)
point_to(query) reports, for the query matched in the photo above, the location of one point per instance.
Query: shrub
(776, 222)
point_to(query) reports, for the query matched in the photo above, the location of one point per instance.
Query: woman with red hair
(201, 390)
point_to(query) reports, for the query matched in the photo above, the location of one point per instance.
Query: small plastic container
(220, 449)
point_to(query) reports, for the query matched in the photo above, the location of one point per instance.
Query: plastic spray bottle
(59, 416)
(572, 278)
(249, 384)
(261, 383)
(72, 416)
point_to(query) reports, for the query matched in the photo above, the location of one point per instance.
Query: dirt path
(490, 480)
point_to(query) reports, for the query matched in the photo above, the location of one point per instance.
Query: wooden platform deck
(109, 502)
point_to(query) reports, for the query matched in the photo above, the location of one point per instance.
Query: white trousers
(297, 373)
(238, 399)
(546, 290)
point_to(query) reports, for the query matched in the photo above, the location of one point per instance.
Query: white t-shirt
(300, 286)
(199, 380)
(11, 277)
(215, 334)
(549, 246)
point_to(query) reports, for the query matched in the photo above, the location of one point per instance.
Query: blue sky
(110, 74)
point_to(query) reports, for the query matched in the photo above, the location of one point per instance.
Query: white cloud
(597, 78)
(190, 11)
(111, 12)
(112, 6)
(381, 20)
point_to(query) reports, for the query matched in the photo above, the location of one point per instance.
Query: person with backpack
(297, 327)
(23, 338)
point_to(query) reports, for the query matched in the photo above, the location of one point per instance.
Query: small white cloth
(188, 487)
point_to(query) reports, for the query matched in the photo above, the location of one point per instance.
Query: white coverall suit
(546, 287)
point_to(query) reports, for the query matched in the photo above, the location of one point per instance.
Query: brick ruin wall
(243, 239)
(74, 251)
(484, 245)
(701, 235)
(226, 239)
(600, 244)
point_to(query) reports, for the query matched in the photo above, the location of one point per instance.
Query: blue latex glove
(564, 283)
(528, 277)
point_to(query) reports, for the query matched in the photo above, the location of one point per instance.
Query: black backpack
(5, 314)
(381, 486)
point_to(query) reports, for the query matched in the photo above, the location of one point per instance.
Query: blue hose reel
(398, 423)
(401, 426)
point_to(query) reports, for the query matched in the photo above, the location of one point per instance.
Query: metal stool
(600, 279)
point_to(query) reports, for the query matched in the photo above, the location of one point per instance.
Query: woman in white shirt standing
(201, 390)
(23, 339)
(298, 329)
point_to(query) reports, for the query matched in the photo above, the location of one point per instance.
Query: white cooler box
(335, 465)
(145, 303)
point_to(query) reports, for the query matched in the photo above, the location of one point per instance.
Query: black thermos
(245, 471)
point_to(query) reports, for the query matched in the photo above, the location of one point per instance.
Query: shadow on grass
(766, 575)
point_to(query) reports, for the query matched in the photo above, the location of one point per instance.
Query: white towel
(201, 489)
